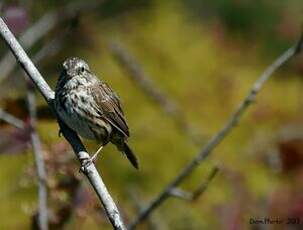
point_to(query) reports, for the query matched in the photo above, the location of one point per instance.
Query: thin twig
(152, 224)
(202, 188)
(43, 26)
(40, 166)
(12, 120)
(41, 172)
(192, 196)
(28, 39)
(216, 140)
(52, 47)
(141, 78)
(49, 49)
(89, 170)
(180, 193)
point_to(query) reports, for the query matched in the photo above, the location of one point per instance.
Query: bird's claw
(86, 163)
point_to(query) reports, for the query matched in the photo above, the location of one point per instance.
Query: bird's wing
(109, 107)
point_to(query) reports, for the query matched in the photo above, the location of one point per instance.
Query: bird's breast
(77, 110)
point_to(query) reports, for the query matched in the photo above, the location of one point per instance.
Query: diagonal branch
(151, 222)
(49, 49)
(89, 170)
(217, 138)
(43, 26)
(192, 196)
(28, 39)
(12, 120)
(141, 78)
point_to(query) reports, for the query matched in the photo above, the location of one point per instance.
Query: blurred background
(202, 58)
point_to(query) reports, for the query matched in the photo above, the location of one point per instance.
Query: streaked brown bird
(91, 108)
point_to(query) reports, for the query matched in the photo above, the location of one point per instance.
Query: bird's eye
(82, 69)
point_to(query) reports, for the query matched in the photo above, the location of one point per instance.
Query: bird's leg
(94, 157)
(92, 160)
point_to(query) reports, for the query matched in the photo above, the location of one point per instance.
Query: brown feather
(109, 107)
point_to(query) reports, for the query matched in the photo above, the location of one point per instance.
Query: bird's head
(75, 66)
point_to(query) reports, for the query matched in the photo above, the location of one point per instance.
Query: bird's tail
(130, 155)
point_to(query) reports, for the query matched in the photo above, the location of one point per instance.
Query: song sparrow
(91, 108)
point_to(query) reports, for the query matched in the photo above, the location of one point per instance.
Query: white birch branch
(89, 170)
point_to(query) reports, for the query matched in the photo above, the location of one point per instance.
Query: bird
(88, 106)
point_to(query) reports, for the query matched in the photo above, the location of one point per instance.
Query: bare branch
(40, 166)
(49, 49)
(141, 78)
(89, 170)
(152, 224)
(202, 188)
(28, 39)
(179, 193)
(12, 120)
(216, 139)
(41, 172)
(43, 26)
(52, 47)
(199, 191)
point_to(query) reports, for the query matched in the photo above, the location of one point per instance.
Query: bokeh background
(204, 55)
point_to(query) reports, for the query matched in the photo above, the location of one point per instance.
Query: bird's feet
(88, 161)
(85, 163)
